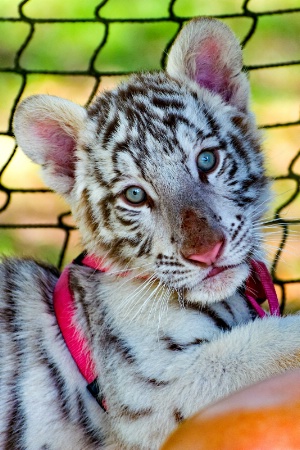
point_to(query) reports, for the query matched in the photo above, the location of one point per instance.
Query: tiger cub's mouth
(216, 270)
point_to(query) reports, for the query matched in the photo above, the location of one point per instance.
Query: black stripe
(145, 247)
(110, 130)
(169, 260)
(48, 268)
(233, 182)
(233, 169)
(101, 106)
(244, 200)
(236, 232)
(98, 173)
(159, 83)
(132, 414)
(242, 243)
(116, 247)
(16, 416)
(79, 294)
(10, 311)
(88, 212)
(164, 102)
(174, 346)
(237, 144)
(127, 211)
(126, 222)
(171, 119)
(105, 206)
(209, 312)
(16, 425)
(140, 106)
(155, 382)
(92, 435)
(119, 345)
(100, 176)
(224, 167)
(178, 416)
(259, 180)
(227, 307)
(219, 322)
(241, 123)
(211, 122)
(203, 177)
(120, 148)
(57, 380)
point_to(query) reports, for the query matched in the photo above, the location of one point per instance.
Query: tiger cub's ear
(207, 52)
(47, 130)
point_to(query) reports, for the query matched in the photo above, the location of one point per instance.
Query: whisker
(140, 291)
(142, 307)
(163, 309)
(154, 303)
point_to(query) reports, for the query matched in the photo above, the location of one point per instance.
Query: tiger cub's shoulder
(25, 281)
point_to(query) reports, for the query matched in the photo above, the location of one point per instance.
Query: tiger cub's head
(164, 174)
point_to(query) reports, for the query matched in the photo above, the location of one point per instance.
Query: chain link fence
(78, 51)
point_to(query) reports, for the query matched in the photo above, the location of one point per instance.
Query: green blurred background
(138, 35)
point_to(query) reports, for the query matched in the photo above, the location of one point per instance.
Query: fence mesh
(92, 49)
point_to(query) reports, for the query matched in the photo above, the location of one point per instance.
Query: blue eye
(135, 195)
(207, 161)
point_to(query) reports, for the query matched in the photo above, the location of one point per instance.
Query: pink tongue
(215, 271)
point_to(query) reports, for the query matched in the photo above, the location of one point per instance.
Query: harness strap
(74, 337)
(259, 287)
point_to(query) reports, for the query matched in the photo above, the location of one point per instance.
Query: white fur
(167, 350)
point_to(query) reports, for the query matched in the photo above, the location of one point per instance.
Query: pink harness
(259, 287)
(74, 337)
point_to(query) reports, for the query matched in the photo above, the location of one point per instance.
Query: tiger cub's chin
(219, 286)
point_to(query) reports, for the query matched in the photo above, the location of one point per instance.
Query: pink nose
(210, 256)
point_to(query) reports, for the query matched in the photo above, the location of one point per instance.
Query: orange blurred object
(265, 416)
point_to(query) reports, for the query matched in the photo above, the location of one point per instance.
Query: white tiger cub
(165, 179)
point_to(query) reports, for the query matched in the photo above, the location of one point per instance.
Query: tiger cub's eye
(135, 195)
(207, 161)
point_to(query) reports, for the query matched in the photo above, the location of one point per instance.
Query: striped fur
(166, 337)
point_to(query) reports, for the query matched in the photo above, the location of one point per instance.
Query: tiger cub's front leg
(177, 378)
(245, 355)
